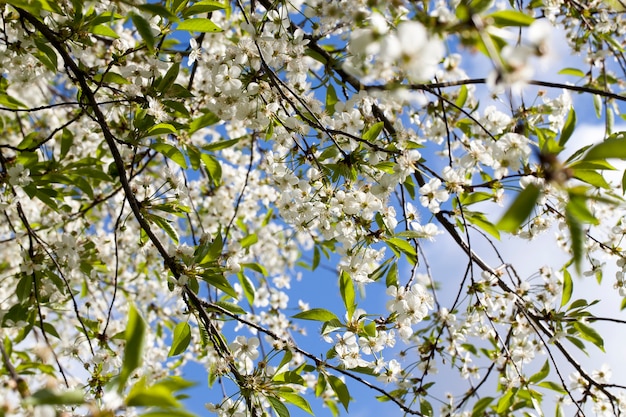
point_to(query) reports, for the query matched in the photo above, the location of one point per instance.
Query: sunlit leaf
(520, 209)
(612, 147)
(568, 287)
(133, 350)
(316, 314)
(346, 288)
(198, 25)
(590, 334)
(503, 18)
(181, 336)
(296, 400)
(278, 406)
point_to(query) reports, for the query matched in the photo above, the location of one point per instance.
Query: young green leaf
(340, 388)
(181, 336)
(612, 147)
(520, 209)
(171, 152)
(198, 25)
(568, 128)
(278, 406)
(296, 400)
(213, 167)
(568, 287)
(46, 396)
(346, 288)
(590, 334)
(542, 374)
(316, 314)
(133, 351)
(144, 29)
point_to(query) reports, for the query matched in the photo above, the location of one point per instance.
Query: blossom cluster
(172, 175)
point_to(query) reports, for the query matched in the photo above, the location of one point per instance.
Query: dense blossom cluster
(172, 173)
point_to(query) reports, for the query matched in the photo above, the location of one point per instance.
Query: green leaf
(161, 128)
(133, 351)
(572, 71)
(480, 406)
(597, 164)
(542, 374)
(340, 389)
(346, 288)
(612, 147)
(520, 209)
(219, 145)
(278, 406)
(426, 408)
(331, 100)
(578, 343)
(204, 6)
(591, 177)
(392, 276)
(47, 55)
(47, 396)
(156, 395)
(218, 281)
(316, 258)
(505, 402)
(480, 220)
(256, 267)
(171, 152)
(462, 98)
(568, 128)
(249, 240)
(169, 412)
(597, 105)
(213, 167)
(24, 287)
(230, 307)
(248, 287)
(568, 287)
(144, 29)
(181, 336)
(296, 400)
(158, 10)
(576, 237)
(316, 314)
(198, 25)
(577, 207)
(370, 329)
(168, 79)
(104, 30)
(590, 334)
(205, 120)
(373, 132)
(111, 78)
(165, 225)
(504, 18)
(553, 386)
(403, 246)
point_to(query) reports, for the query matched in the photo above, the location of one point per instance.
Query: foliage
(168, 167)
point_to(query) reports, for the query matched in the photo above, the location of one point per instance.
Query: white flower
(429, 231)
(195, 53)
(18, 176)
(414, 52)
(433, 194)
(245, 348)
(227, 78)
(155, 109)
(392, 372)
